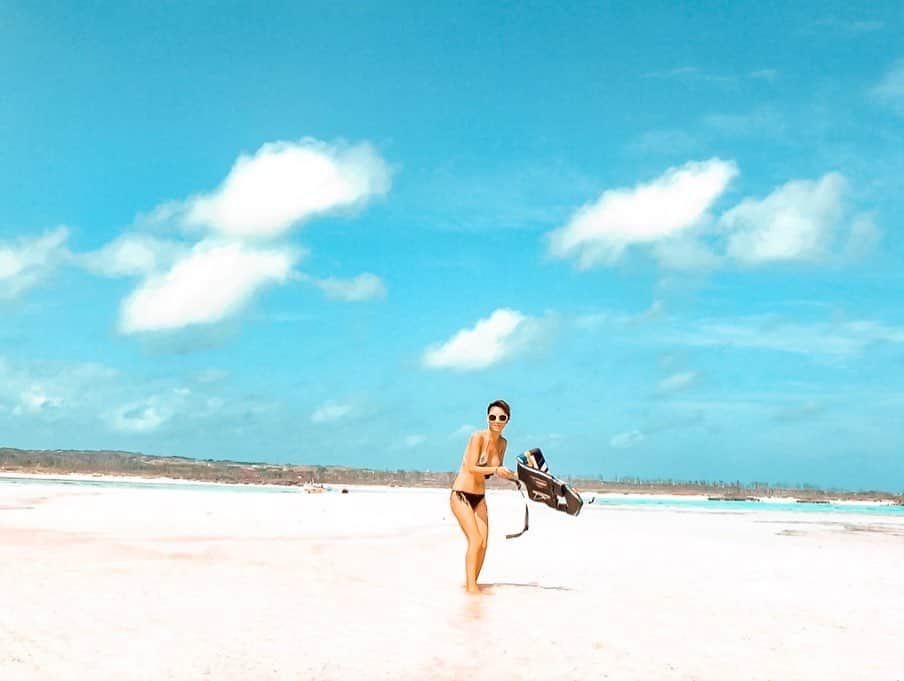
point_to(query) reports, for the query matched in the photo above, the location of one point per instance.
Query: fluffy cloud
(36, 400)
(141, 417)
(87, 395)
(45, 389)
(285, 183)
(802, 220)
(211, 282)
(501, 335)
(132, 255)
(150, 407)
(262, 197)
(797, 221)
(362, 287)
(26, 262)
(599, 233)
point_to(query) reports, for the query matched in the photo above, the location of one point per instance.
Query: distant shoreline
(657, 495)
(129, 466)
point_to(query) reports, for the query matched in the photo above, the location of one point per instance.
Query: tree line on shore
(210, 470)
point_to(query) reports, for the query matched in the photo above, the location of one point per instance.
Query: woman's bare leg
(462, 511)
(483, 526)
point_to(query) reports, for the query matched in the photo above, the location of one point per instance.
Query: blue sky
(670, 236)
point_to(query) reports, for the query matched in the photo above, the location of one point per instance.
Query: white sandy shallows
(152, 584)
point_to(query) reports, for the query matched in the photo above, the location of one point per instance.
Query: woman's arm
(472, 456)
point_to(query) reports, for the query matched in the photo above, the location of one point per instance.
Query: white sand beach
(104, 583)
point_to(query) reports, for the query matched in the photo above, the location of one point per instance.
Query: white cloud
(165, 406)
(365, 286)
(141, 417)
(598, 233)
(132, 255)
(35, 400)
(285, 183)
(331, 411)
(807, 220)
(84, 395)
(25, 263)
(503, 334)
(213, 281)
(263, 196)
(676, 382)
(890, 90)
(797, 221)
(626, 440)
(46, 389)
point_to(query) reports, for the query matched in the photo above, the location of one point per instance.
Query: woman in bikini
(483, 458)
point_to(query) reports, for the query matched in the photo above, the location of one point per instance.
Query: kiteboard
(538, 484)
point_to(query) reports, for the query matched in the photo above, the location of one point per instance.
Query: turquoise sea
(766, 505)
(125, 484)
(628, 501)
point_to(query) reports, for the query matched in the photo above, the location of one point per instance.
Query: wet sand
(102, 583)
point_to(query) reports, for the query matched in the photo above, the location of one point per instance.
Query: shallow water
(626, 501)
(764, 505)
(152, 485)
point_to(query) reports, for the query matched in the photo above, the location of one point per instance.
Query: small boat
(312, 487)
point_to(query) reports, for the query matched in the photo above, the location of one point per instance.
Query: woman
(483, 458)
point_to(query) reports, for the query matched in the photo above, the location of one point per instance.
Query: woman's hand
(504, 472)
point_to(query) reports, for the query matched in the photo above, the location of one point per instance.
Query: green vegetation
(209, 470)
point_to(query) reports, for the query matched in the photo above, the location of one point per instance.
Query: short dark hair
(503, 405)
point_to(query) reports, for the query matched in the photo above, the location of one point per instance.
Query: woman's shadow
(527, 585)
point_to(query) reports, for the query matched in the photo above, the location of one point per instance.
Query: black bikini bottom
(470, 497)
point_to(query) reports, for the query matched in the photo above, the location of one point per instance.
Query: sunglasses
(502, 417)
